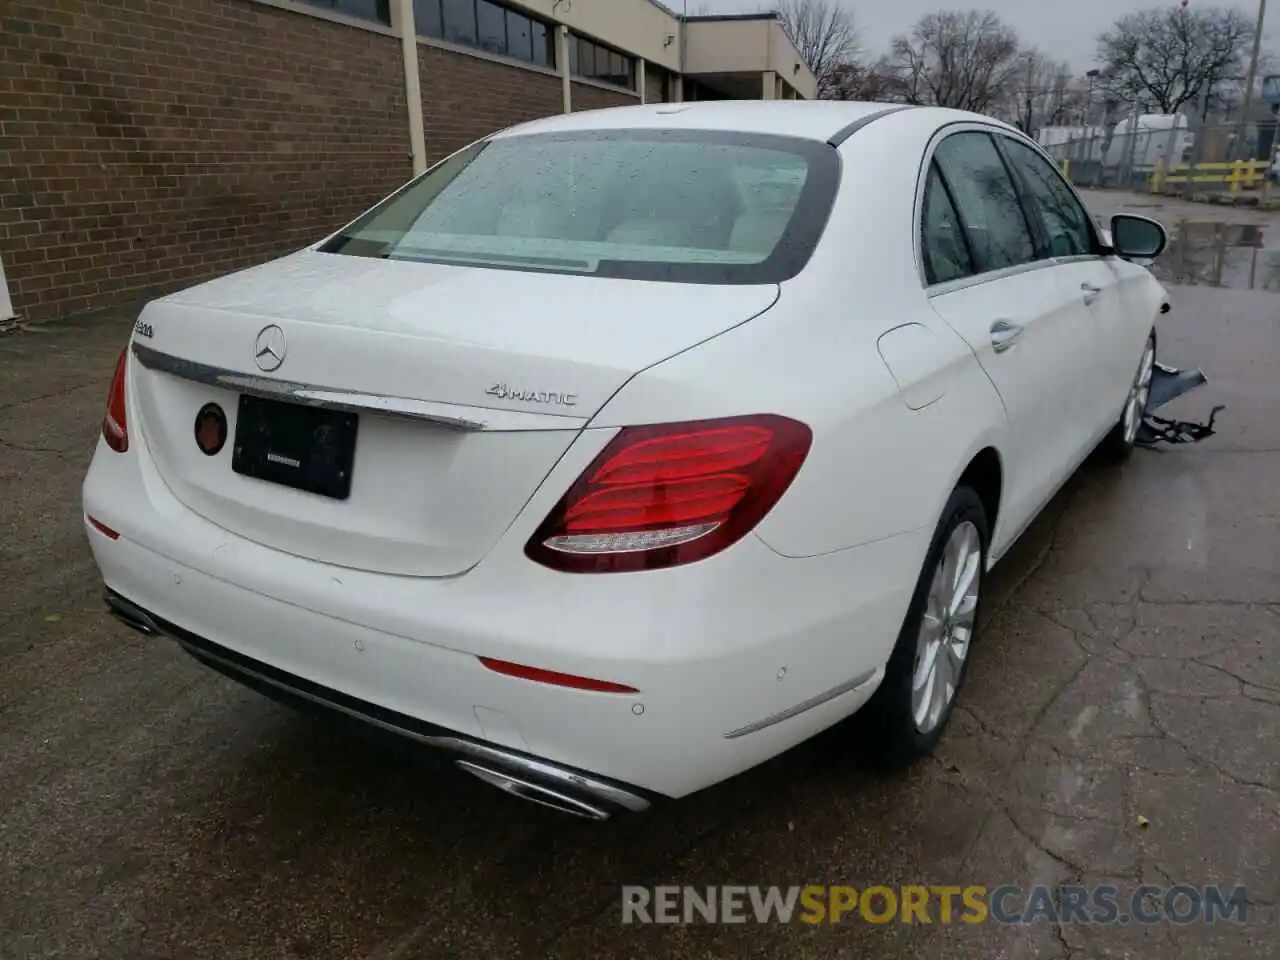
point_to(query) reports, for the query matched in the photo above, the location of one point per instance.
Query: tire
(892, 733)
(1117, 446)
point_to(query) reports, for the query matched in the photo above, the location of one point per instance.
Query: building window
(544, 44)
(592, 61)
(378, 11)
(460, 21)
(428, 18)
(492, 20)
(519, 36)
(488, 25)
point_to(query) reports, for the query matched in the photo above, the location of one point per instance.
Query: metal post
(402, 19)
(1169, 158)
(1131, 151)
(1250, 80)
(566, 78)
(1219, 252)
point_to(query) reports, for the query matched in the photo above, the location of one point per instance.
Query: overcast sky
(1064, 31)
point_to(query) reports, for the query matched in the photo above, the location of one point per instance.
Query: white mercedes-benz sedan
(624, 450)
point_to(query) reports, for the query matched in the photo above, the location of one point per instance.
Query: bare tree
(1038, 92)
(963, 59)
(857, 81)
(826, 36)
(1172, 56)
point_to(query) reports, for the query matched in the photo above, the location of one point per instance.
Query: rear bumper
(574, 791)
(734, 659)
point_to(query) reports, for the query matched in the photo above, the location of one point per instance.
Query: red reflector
(667, 494)
(115, 429)
(552, 677)
(102, 528)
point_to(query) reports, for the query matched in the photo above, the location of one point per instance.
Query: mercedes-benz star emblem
(269, 348)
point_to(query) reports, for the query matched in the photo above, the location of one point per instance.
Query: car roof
(806, 119)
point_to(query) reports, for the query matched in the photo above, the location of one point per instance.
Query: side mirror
(1137, 238)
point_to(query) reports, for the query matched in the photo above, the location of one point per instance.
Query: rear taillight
(115, 429)
(672, 493)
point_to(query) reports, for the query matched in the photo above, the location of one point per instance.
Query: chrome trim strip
(800, 708)
(973, 280)
(446, 414)
(539, 769)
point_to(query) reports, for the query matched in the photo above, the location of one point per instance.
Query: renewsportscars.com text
(1008, 904)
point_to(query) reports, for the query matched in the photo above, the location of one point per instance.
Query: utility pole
(1250, 80)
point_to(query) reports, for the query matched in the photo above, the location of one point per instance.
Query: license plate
(307, 448)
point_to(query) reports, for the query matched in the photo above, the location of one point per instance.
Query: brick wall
(465, 98)
(145, 144)
(149, 144)
(588, 97)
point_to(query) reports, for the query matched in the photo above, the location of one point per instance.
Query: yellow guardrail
(1235, 173)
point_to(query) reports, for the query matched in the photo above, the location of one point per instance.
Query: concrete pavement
(1129, 668)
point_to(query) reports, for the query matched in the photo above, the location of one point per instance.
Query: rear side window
(1066, 224)
(691, 206)
(942, 241)
(986, 201)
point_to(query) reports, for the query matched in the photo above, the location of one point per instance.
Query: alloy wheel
(946, 628)
(1136, 405)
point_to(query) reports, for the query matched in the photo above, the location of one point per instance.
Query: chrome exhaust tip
(130, 615)
(533, 792)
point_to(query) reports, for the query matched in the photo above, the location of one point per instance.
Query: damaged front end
(1169, 383)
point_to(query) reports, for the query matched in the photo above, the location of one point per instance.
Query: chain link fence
(1169, 154)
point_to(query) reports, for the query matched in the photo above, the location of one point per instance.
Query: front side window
(1066, 224)
(689, 206)
(986, 201)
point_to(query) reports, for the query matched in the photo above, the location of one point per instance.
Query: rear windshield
(686, 206)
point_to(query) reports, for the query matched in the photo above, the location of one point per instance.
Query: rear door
(1020, 312)
(1068, 237)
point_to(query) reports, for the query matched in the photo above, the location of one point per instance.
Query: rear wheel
(1119, 443)
(907, 714)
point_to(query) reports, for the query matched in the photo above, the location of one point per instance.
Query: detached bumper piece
(1169, 383)
(528, 777)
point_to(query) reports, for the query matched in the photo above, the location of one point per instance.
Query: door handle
(1004, 334)
(1090, 292)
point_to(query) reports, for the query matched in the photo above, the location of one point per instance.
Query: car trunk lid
(467, 384)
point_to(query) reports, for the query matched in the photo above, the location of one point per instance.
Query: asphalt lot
(1128, 673)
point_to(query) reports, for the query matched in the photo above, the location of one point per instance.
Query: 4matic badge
(503, 392)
